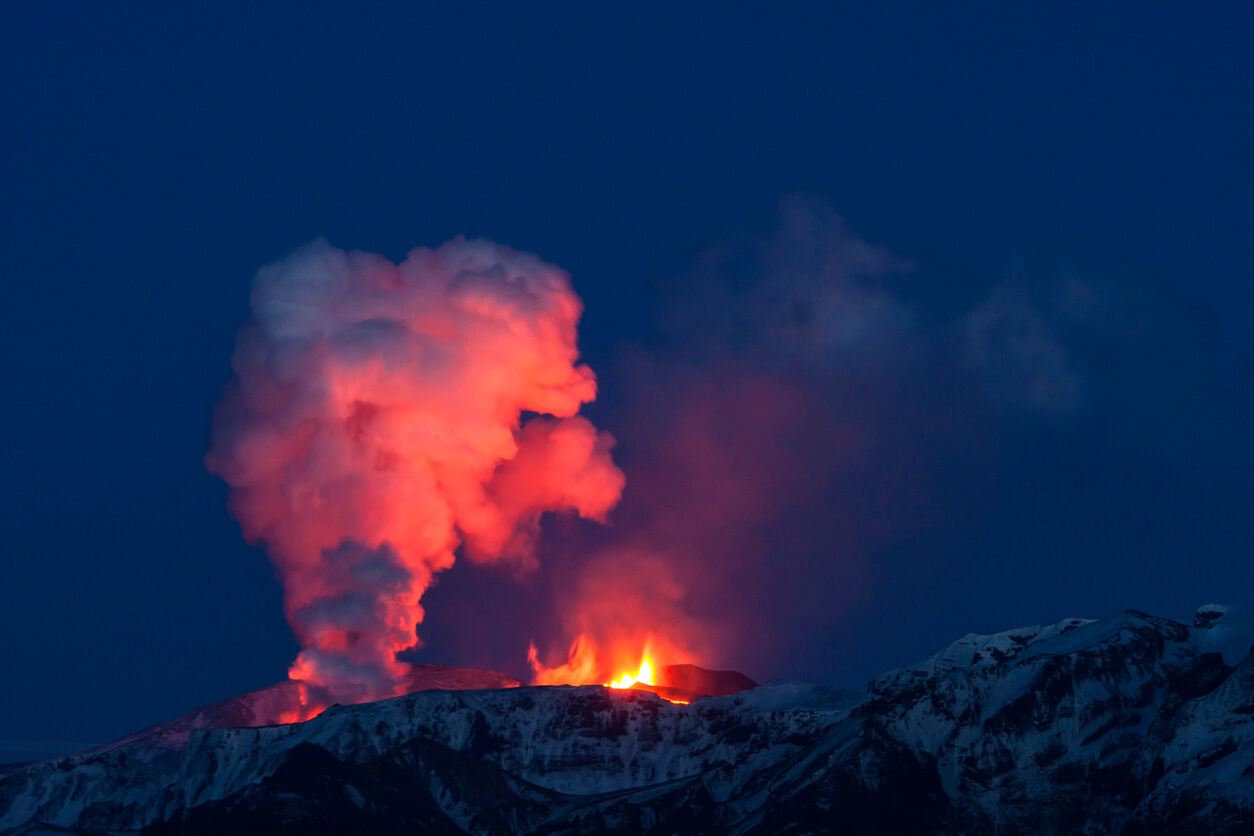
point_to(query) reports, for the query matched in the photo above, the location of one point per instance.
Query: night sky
(909, 322)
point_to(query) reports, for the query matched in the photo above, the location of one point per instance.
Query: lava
(644, 675)
(644, 679)
(585, 665)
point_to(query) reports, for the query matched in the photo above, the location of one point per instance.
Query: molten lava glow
(586, 664)
(308, 707)
(644, 675)
(299, 715)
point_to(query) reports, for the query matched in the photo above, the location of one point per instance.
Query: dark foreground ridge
(1132, 725)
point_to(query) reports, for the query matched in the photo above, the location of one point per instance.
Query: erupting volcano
(644, 676)
(644, 679)
(679, 683)
(387, 419)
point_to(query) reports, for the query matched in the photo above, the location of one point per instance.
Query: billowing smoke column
(375, 423)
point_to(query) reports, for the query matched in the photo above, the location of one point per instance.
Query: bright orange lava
(587, 664)
(643, 676)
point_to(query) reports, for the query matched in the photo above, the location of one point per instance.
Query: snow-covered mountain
(268, 706)
(1132, 724)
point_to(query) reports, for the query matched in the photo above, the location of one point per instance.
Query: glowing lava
(644, 675)
(587, 664)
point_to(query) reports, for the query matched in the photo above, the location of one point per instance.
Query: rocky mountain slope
(1133, 724)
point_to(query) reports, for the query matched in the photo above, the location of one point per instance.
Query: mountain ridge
(1133, 724)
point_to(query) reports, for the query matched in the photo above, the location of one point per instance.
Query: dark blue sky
(1051, 421)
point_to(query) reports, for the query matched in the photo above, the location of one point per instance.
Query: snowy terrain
(1132, 724)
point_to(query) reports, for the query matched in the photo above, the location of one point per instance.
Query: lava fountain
(643, 675)
(658, 666)
(644, 679)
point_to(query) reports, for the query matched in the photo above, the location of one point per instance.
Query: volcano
(1134, 724)
(272, 705)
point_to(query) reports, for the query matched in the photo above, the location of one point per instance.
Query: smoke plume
(381, 416)
(821, 435)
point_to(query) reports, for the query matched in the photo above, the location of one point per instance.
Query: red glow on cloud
(375, 424)
(628, 621)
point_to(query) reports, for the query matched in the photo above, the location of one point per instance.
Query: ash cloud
(376, 428)
(1127, 358)
(819, 433)
(822, 431)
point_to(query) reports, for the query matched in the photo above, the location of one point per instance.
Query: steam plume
(375, 423)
